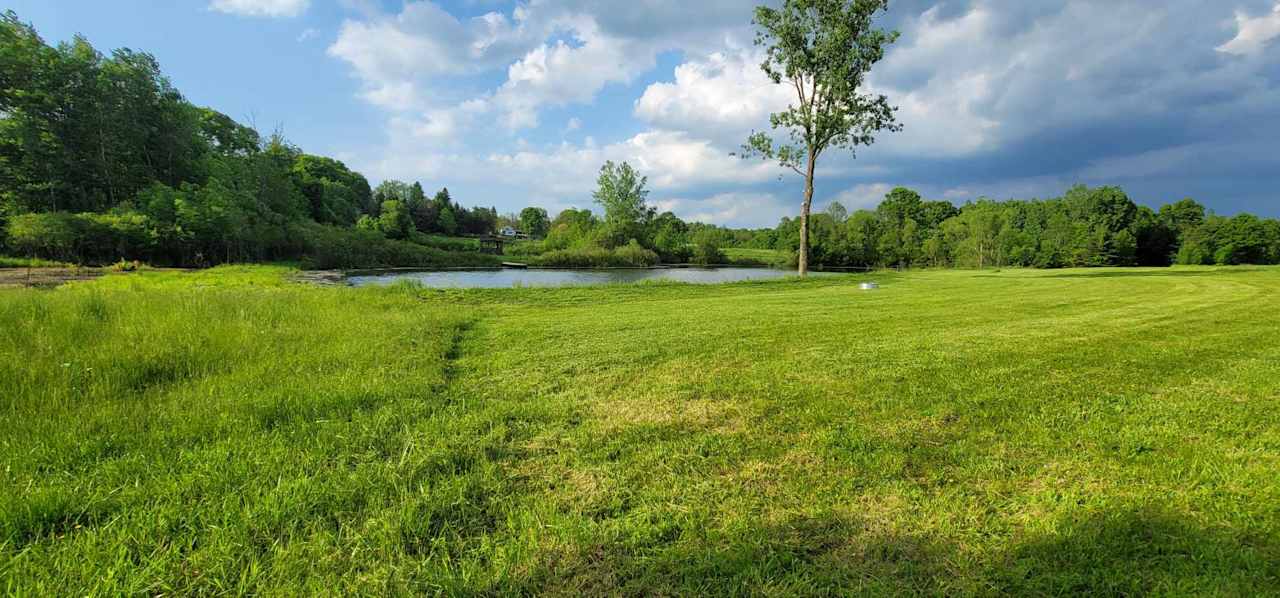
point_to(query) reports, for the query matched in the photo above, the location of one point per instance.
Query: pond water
(511, 277)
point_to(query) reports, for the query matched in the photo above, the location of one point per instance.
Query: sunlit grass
(1017, 432)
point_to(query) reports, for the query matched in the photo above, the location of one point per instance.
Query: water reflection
(506, 278)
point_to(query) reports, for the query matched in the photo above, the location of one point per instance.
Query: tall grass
(224, 440)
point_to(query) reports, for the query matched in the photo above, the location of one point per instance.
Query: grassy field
(1112, 432)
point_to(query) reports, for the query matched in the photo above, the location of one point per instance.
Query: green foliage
(573, 228)
(335, 194)
(30, 262)
(446, 222)
(740, 256)
(525, 248)
(621, 192)
(671, 238)
(631, 255)
(80, 131)
(1087, 227)
(227, 137)
(394, 221)
(393, 190)
(534, 222)
(79, 238)
(837, 211)
(328, 247)
(706, 249)
(446, 243)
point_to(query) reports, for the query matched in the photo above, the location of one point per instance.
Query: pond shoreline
(549, 277)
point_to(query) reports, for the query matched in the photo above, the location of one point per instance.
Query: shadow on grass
(1116, 273)
(1134, 552)
(1140, 552)
(1136, 274)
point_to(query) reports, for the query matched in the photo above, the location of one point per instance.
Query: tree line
(101, 158)
(1085, 227)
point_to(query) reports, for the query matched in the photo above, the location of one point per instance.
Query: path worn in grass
(1104, 431)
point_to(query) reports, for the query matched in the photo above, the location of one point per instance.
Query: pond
(511, 277)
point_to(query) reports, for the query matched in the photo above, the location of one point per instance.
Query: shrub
(445, 243)
(706, 251)
(50, 235)
(81, 238)
(127, 266)
(631, 255)
(328, 247)
(525, 248)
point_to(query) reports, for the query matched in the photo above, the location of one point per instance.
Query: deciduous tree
(823, 50)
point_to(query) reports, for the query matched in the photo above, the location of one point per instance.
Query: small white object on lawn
(869, 286)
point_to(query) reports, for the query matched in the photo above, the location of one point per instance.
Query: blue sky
(518, 103)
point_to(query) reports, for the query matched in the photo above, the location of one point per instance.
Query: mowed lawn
(961, 433)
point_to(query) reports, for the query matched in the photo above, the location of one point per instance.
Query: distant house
(507, 231)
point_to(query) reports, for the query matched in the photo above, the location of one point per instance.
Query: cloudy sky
(518, 103)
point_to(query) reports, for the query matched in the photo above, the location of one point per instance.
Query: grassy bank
(963, 433)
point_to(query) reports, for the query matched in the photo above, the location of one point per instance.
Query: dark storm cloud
(1135, 93)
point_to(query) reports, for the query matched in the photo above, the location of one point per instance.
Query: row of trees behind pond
(1085, 227)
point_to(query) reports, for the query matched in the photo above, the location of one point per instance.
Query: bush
(51, 235)
(127, 266)
(81, 238)
(631, 255)
(445, 243)
(30, 262)
(328, 247)
(525, 248)
(706, 250)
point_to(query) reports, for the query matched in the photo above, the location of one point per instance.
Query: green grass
(1110, 432)
(30, 262)
(243, 278)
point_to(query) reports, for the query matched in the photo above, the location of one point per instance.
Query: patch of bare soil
(321, 277)
(45, 277)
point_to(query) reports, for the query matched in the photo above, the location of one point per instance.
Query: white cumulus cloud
(261, 8)
(1253, 33)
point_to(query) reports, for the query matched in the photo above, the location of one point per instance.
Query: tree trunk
(803, 267)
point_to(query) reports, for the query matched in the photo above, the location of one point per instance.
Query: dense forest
(101, 159)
